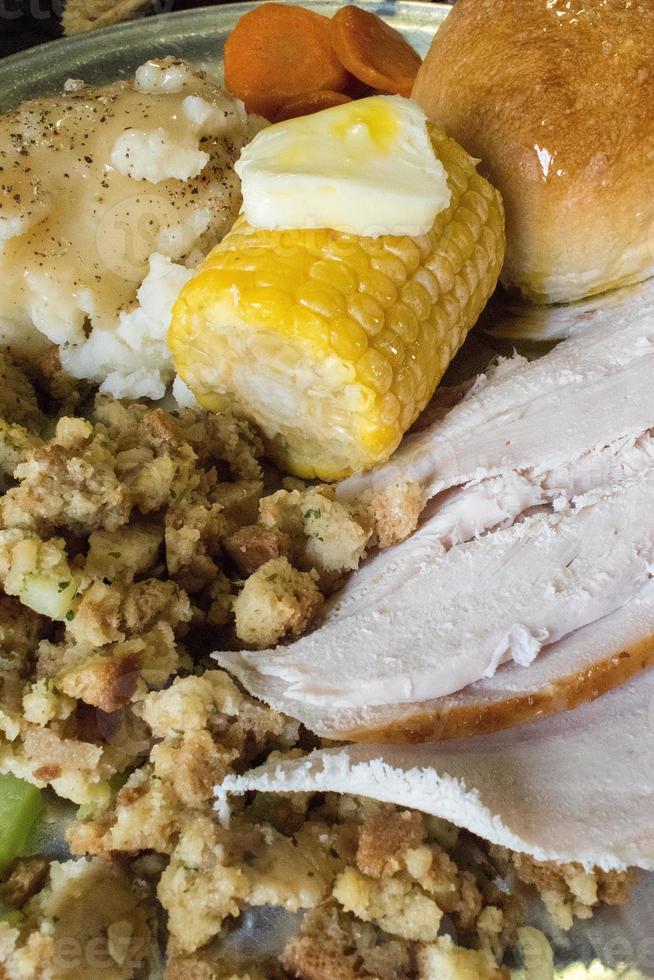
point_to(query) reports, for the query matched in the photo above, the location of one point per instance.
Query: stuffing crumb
(396, 906)
(213, 873)
(123, 554)
(121, 672)
(69, 482)
(252, 546)
(198, 888)
(27, 877)
(443, 960)
(395, 512)
(567, 890)
(193, 535)
(16, 444)
(276, 601)
(334, 946)
(387, 840)
(326, 534)
(229, 438)
(54, 381)
(210, 964)
(18, 398)
(89, 909)
(108, 613)
(194, 764)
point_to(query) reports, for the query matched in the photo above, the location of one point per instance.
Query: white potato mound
(110, 196)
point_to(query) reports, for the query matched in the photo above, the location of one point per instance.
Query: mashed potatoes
(108, 197)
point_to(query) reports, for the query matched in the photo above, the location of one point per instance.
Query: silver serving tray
(616, 943)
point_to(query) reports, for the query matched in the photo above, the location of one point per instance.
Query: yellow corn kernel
(333, 343)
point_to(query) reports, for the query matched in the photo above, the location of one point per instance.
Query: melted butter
(365, 168)
(77, 233)
(373, 123)
(362, 131)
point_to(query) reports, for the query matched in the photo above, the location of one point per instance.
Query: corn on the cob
(334, 343)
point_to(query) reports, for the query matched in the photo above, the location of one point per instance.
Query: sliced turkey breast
(579, 668)
(576, 787)
(463, 513)
(415, 624)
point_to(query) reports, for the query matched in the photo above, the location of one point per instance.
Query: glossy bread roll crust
(557, 99)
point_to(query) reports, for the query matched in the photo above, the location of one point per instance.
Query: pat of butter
(366, 168)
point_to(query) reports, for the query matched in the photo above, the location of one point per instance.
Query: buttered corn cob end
(334, 343)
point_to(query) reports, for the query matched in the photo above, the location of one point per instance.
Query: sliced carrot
(277, 53)
(373, 51)
(310, 104)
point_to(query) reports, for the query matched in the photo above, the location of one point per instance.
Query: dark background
(24, 23)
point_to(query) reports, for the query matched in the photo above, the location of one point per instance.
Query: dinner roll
(556, 97)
